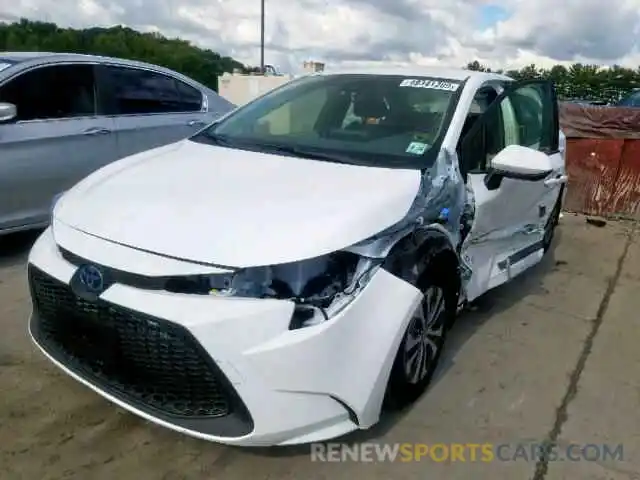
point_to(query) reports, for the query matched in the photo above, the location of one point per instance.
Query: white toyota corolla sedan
(288, 272)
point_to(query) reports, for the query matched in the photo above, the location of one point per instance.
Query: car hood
(234, 207)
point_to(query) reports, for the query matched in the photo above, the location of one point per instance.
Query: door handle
(96, 131)
(195, 123)
(558, 180)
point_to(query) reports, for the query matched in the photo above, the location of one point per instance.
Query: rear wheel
(422, 344)
(552, 223)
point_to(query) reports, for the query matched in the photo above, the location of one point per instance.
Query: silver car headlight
(320, 287)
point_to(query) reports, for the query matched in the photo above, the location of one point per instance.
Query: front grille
(186, 284)
(144, 360)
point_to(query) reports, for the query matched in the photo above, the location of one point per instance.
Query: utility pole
(262, 36)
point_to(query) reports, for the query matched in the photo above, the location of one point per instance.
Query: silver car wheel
(424, 333)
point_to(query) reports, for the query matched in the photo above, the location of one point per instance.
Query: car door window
(52, 92)
(525, 114)
(483, 98)
(135, 91)
(190, 97)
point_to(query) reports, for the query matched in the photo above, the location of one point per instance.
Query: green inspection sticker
(417, 148)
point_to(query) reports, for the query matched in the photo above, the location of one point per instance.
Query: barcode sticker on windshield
(432, 84)
(417, 148)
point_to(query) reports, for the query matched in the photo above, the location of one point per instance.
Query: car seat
(369, 106)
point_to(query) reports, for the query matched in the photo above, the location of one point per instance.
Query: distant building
(241, 87)
(313, 67)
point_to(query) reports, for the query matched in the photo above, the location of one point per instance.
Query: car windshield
(375, 120)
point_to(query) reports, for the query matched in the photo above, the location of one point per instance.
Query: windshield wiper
(218, 139)
(226, 141)
(306, 153)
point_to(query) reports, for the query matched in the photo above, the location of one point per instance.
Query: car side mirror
(520, 163)
(8, 112)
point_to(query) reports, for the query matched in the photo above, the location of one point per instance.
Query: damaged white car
(288, 271)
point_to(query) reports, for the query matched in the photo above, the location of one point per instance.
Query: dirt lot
(554, 355)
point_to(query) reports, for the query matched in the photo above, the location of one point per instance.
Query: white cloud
(451, 33)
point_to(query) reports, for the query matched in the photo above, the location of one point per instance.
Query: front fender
(413, 254)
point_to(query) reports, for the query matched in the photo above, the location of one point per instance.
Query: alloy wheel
(425, 335)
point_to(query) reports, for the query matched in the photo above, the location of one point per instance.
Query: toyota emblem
(91, 277)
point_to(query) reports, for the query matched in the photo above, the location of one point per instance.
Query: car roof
(19, 57)
(458, 74)
(36, 58)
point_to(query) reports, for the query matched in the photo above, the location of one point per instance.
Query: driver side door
(511, 211)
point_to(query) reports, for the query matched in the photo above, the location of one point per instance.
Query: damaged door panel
(491, 191)
(515, 170)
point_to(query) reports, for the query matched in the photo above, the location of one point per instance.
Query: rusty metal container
(603, 159)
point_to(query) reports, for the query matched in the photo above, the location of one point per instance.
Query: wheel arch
(425, 252)
(433, 253)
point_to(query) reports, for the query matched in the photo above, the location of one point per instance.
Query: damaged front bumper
(222, 369)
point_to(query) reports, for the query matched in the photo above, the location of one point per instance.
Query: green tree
(203, 65)
(579, 81)
(477, 67)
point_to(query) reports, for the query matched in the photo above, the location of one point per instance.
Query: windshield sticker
(417, 148)
(432, 84)
(4, 66)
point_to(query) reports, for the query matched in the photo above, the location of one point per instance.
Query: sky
(501, 34)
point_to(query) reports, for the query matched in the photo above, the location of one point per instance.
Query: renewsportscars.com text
(465, 452)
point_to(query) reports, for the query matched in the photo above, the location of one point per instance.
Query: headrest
(370, 105)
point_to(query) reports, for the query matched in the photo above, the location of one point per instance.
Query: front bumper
(221, 369)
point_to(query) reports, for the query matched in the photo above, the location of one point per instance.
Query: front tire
(422, 343)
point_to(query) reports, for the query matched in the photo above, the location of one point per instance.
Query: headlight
(320, 287)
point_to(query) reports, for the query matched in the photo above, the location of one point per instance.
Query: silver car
(62, 116)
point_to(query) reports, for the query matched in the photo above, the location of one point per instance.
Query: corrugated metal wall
(604, 177)
(603, 159)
